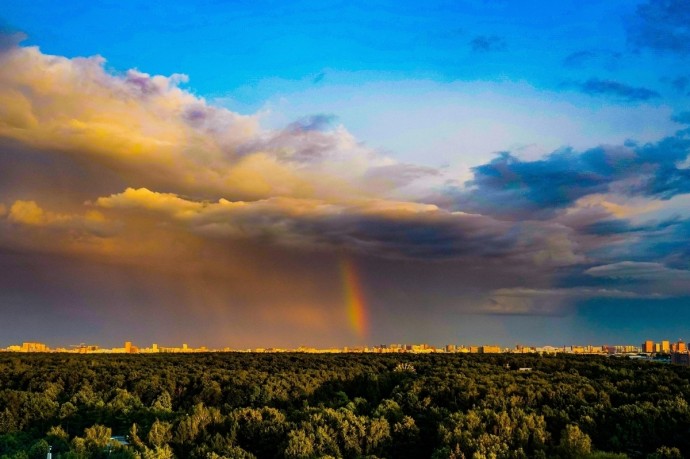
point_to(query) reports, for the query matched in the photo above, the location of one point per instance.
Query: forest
(293, 405)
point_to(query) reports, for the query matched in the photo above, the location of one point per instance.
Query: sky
(277, 174)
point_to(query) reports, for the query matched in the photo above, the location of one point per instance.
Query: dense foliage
(342, 405)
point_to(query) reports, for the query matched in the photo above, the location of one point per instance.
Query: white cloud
(635, 270)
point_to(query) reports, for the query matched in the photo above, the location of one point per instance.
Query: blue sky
(519, 168)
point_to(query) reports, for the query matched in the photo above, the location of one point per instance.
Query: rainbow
(354, 299)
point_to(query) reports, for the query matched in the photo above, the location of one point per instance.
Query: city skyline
(660, 352)
(335, 174)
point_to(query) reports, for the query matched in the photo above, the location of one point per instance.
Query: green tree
(300, 445)
(160, 433)
(574, 443)
(665, 452)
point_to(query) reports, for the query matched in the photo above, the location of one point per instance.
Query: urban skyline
(647, 347)
(269, 174)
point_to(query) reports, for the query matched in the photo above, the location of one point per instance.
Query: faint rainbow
(354, 299)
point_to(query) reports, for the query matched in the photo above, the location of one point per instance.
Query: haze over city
(267, 174)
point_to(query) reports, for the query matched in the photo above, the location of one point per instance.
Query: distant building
(489, 350)
(648, 346)
(680, 346)
(665, 347)
(34, 347)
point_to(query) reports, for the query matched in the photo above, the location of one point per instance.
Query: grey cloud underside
(432, 235)
(669, 246)
(555, 301)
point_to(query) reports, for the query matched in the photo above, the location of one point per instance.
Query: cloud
(321, 122)
(682, 117)
(374, 227)
(616, 90)
(487, 43)
(30, 214)
(632, 270)
(150, 131)
(509, 186)
(644, 276)
(10, 39)
(555, 301)
(680, 83)
(661, 25)
(579, 59)
(395, 176)
(319, 78)
(622, 226)
(133, 170)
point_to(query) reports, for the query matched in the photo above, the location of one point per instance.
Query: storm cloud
(510, 186)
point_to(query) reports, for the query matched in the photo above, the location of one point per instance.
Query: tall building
(34, 347)
(489, 350)
(648, 346)
(128, 347)
(665, 347)
(680, 346)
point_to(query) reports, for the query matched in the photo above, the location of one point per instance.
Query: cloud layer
(133, 171)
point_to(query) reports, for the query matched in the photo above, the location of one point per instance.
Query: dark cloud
(578, 58)
(662, 25)
(508, 185)
(596, 87)
(682, 117)
(319, 78)
(583, 58)
(607, 227)
(668, 245)
(487, 43)
(415, 238)
(680, 83)
(512, 187)
(10, 37)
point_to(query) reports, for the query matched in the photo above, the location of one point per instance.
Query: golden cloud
(152, 132)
